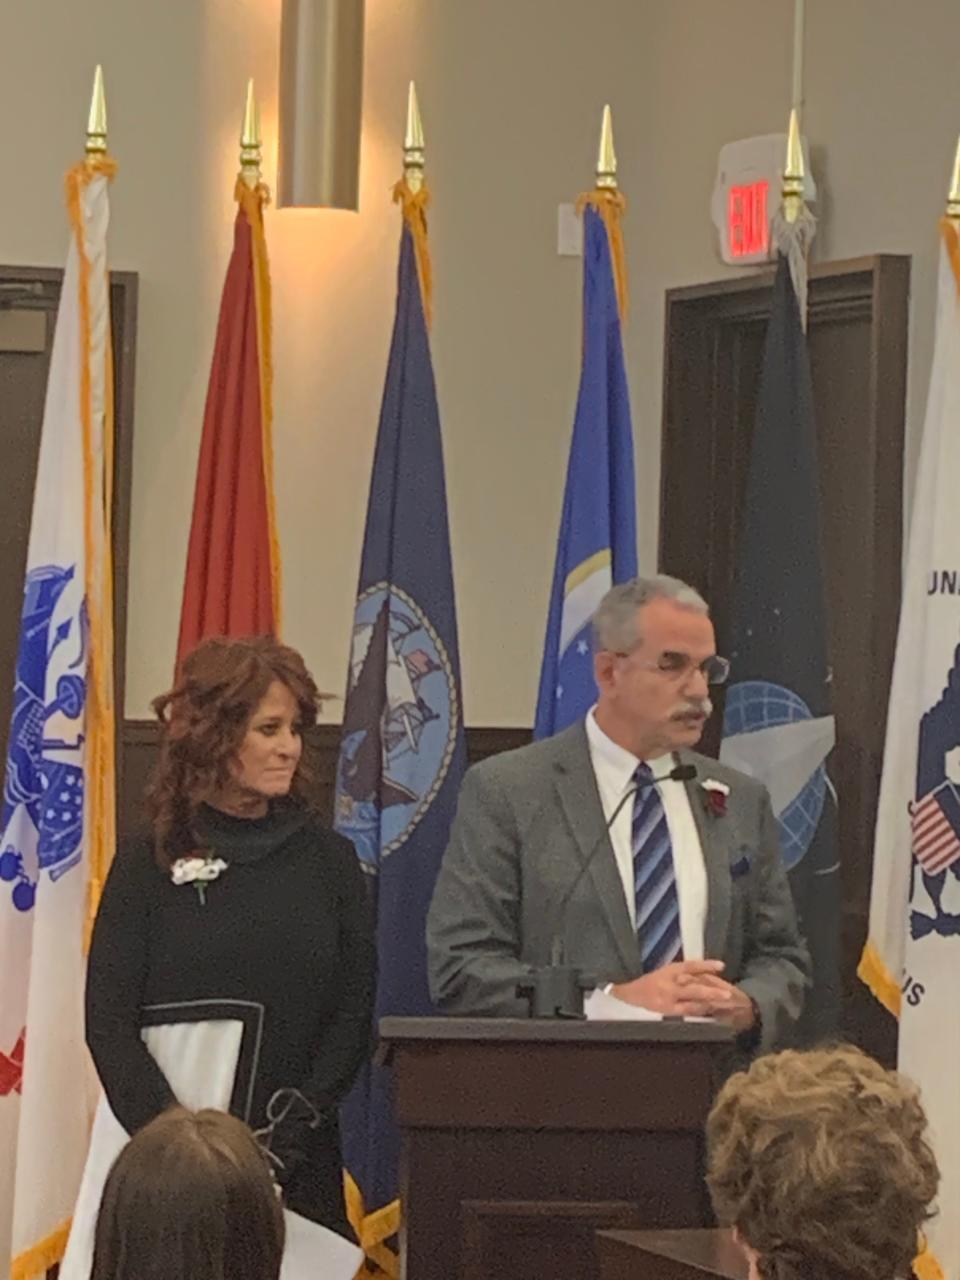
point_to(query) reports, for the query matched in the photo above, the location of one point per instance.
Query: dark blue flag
(598, 530)
(778, 725)
(402, 753)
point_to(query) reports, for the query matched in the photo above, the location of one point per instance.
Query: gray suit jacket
(526, 821)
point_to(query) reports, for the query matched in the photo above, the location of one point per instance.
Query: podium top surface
(549, 1030)
(712, 1252)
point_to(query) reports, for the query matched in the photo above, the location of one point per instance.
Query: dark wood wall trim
(139, 742)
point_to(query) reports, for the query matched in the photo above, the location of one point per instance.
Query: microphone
(556, 990)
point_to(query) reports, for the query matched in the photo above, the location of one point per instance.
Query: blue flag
(598, 530)
(778, 723)
(403, 753)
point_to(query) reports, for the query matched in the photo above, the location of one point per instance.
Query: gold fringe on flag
(253, 201)
(42, 1256)
(371, 1231)
(926, 1267)
(98, 553)
(951, 240)
(874, 973)
(611, 206)
(414, 205)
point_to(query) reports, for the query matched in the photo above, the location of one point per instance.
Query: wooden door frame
(38, 288)
(704, 386)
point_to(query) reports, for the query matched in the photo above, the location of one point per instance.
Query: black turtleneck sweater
(285, 927)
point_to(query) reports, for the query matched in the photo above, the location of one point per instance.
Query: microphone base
(556, 991)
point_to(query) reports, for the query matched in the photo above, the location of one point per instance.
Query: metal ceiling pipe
(321, 98)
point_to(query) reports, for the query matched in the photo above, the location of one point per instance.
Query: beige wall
(511, 92)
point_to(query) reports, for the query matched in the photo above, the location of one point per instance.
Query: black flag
(778, 725)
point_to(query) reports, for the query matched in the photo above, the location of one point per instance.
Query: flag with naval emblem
(778, 724)
(911, 961)
(597, 545)
(402, 752)
(57, 821)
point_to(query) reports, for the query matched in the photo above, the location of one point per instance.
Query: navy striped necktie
(654, 880)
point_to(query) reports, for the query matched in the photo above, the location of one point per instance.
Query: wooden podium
(521, 1139)
(670, 1255)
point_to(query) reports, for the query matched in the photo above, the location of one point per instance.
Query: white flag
(56, 825)
(912, 958)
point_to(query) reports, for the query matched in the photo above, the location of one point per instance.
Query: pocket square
(739, 868)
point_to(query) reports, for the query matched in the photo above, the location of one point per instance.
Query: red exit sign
(748, 233)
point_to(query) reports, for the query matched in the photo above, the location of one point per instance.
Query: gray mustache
(693, 706)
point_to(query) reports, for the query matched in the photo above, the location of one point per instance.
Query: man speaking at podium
(652, 868)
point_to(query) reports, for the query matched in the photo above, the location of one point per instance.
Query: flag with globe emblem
(598, 530)
(778, 724)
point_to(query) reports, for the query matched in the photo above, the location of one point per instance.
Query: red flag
(232, 582)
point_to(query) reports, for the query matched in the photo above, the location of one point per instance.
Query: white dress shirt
(614, 768)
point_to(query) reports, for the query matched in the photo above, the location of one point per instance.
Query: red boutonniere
(715, 797)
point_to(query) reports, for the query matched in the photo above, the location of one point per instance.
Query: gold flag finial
(413, 150)
(793, 173)
(607, 157)
(250, 141)
(953, 199)
(97, 119)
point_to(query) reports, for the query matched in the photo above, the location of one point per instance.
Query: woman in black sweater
(239, 904)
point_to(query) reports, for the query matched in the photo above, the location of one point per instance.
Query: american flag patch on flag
(934, 838)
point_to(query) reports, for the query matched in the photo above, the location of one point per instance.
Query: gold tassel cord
(372, 1230)
(43, 1256)
(414, 205)
(98, 495)
(874, 973)
(253, 200)
(951, 241)
(611, 205)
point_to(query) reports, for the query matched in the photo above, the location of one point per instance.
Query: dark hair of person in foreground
(190, 1197)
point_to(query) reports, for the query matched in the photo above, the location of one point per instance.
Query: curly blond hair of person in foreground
(820, 1161)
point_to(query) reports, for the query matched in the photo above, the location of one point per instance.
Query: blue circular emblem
(400, 723)
(760, 704)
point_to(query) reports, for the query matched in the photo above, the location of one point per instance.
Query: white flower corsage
(198, 872)
(715, 796)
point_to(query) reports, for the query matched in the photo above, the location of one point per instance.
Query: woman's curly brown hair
(821, 1161)
(203, 722)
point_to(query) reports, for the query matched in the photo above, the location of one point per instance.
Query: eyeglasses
(680, 666)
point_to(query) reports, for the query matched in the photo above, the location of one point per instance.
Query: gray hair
(615, 625)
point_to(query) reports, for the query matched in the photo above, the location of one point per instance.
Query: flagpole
(98, 449)
(97, 118)
(252, 195)
(909, 961)
(413, 196)
(606, 156)
(250, 141)
(953, 198)
(796, 97)
(64, 661)
(413, 146)
(793, 171)
(606, 199)
(405, 559)
(232, 584)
